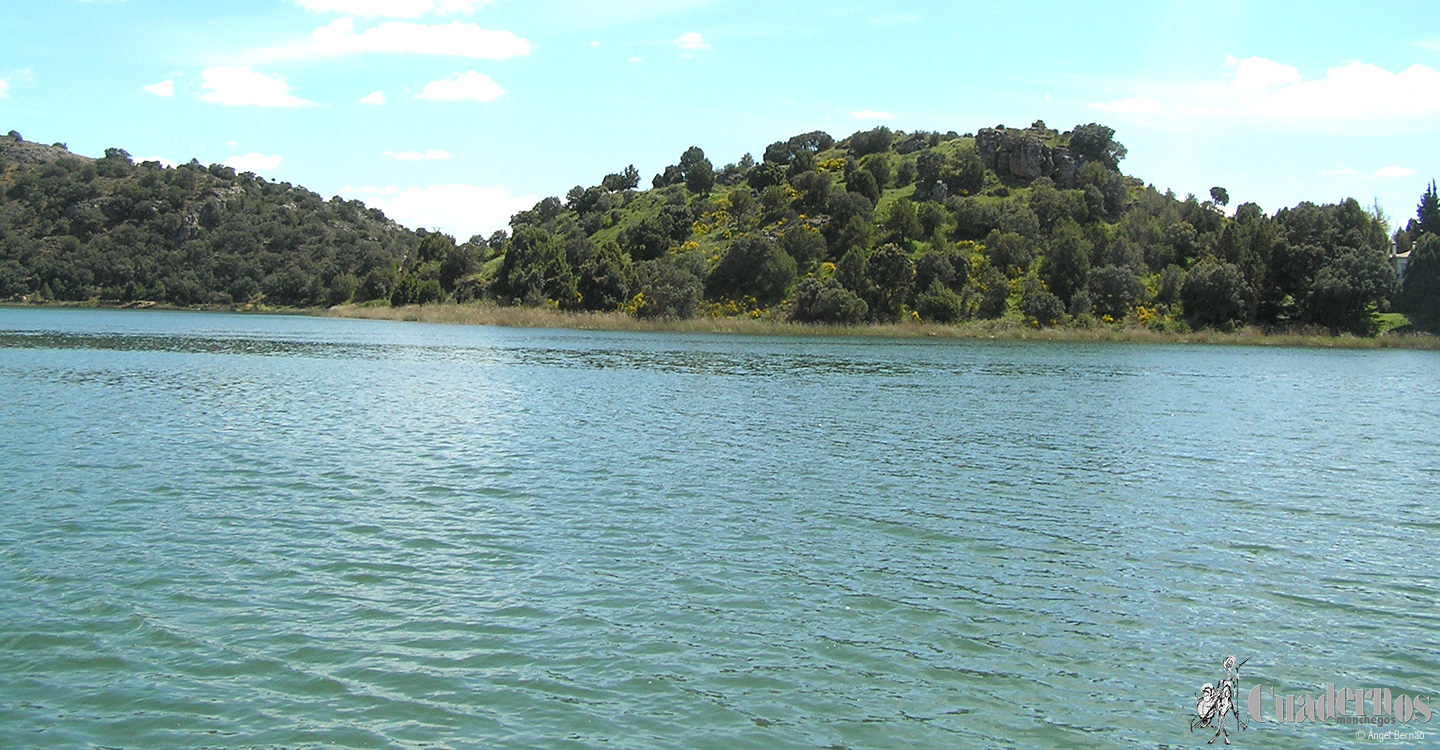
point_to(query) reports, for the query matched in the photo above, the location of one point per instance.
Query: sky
(455, 114)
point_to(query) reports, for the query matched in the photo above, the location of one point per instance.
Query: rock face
(1023, 155)
(26, 153)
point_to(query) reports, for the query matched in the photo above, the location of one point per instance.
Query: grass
(519, 317)
(1402, 336)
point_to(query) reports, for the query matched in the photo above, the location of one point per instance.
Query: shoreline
(489, 314)
(1000, 330)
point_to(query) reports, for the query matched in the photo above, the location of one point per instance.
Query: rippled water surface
(252, 532)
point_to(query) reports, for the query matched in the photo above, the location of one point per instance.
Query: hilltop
(1028, 224)
(74, 228)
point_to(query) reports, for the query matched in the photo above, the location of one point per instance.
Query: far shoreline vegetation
(1398, 333)
(1022, 234)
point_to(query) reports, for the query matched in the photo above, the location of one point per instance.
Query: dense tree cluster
(881, 226)
(73, 228)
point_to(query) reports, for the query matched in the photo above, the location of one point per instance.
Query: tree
(827, 302)
(994, 293)
(1220, 196)
(863, 182)
(814, 190)
(670, 287)
(936, 266)
(1347, 291)
(804, 244)
(878, 165)
(902, 222)
(752, 267)
(873, 141)
(1040, 306)
(1115, 290)
(1428, 212)
(1096, 142)
(892, 272)
(628, 179)
(535, 270)
(1420, 291)
(765, 175)
(940, 304)
(1068, 261)
(697, 171)
(604, 279)
(1215, 295)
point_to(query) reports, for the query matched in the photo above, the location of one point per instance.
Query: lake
(243, 531)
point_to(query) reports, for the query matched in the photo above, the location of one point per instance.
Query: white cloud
(461, 210)
(4, 89)
(371, 190)
(374, 99)
(691, 41)
(162, 161)
(454, 39)
(165, 89)
(254, 162)
(1256, 74)
(427, 155)
(871, 114)
(636, 59)
(1137, 104)
(1431, 43)
(1337, 172)
(1394, 172)
(471, 86)
(1352, 99)
(239, 86)
(392, 8)
(1357, 91)
(590, 14)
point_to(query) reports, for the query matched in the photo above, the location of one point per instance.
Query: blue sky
(453, 114)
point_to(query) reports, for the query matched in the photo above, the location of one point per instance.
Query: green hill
(1029, 223)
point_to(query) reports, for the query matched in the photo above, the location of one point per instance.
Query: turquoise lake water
(231, 531)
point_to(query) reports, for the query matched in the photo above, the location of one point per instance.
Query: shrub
(827, 302)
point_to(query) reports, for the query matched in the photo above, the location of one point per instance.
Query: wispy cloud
(871, 114)
(374, 99)
(254, 162)
(163, 89)
(428, 155)
(239, 86)
(456, 39)
(471, 86)
(1140, 104)
(895, 19)
(588, 14)
(1392, 172)
(392, 8)
(691, 41)
(4, 89)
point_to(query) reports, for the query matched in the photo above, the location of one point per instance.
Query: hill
(74, 228)
(1027, 223)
